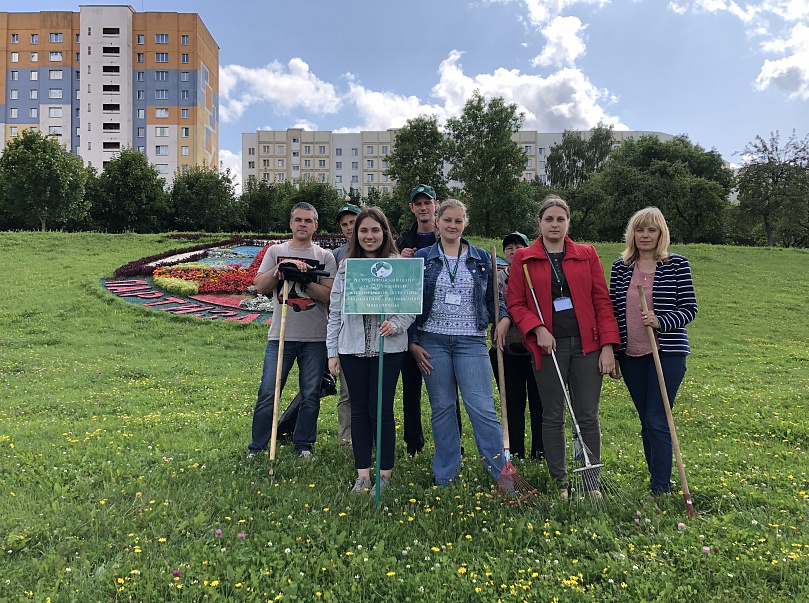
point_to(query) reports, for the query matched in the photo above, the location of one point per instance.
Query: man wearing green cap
(518, 370)
(346, 216)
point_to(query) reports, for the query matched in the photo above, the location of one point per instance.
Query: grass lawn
(123, 469)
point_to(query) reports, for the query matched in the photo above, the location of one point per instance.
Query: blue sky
(720, 71)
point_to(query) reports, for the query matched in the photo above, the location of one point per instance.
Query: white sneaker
(305, 455)
(382, 483)
(362, 485)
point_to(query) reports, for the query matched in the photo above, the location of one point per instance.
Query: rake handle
(501, 375)
(576, 429)
(278, 368)
(667, 406)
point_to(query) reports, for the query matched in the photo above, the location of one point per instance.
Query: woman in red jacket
(579, 326)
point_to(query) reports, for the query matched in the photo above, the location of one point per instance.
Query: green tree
(773, 187)
(203, 199)
(578, 156)
(131, 195)
(487, 162)
(324, 198)
(417, 157)
(43, 183)
(266, 205)
(688, 184)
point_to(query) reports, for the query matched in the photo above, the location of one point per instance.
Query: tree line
(472, 157)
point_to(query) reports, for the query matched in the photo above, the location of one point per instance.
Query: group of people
(553, 300)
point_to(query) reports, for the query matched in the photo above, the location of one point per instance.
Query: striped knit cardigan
(673, 298)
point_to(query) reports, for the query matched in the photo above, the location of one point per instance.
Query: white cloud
(790, 73)
(564, 42)
(564, 100)
(783, 26)
(382, 110)
(232, 160)
(285, 86)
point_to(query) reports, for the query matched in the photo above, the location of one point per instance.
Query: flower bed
(233, 279)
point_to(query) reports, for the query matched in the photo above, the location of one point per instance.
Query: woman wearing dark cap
(518, 370)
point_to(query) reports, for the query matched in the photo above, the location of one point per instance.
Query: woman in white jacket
(352, 341)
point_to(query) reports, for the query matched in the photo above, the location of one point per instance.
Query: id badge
(562, 303)
(452, 298)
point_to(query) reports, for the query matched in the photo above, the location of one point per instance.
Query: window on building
(33, 76)
(307, 177)
(162, 168)
(54, 74)
(251, 165)
(78, 57)
(184, 95)
(161, 94)
(307, 149)
(141, 113)
(296, 153)
(338, 179)
(12, 130)
(161, 112)
(12, 94)
(89, 31)
(369, 150)
(265, 163)
(55, 38)
(307, 163)
(338, 165)
(383, 150)
(280, 149)
(140, 95)
(184, 151)
(355, 179)
(15, 57)
(355, 165)
(541, 150)
(54, 111)
(280, 163)
(184, 58)
(140, 76)
(184, 113)
(321, 163)
(161, 38)
(15, 38)
(184, 40)
(141, 132)
(369, 163)
(110, 31)
(140, 39)
(161, 57)
(111, 88)
(296, 140)
(296, 168)
(33, 94)
(12, 112)
(34, 57)
(321, 149)
(141, 149)
(34, 38)
(528, 162)
(338, 152)
(384, 178)
(281, 177)
(354, 152)
(251, 151)
(370, 177)
(161, 131)
(110, 69)
(186, 132)
(15, 75)
(161, 149)
(54, 130)
(161, 75)
(141, 57)
(184, 76)
(528, 148)
(33, 112)
(110, 107)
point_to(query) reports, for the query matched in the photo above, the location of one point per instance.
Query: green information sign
(384, 286)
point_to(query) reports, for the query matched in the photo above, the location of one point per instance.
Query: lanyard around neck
(452, 273)
(559, 276)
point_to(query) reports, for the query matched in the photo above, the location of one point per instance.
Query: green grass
(123, 435)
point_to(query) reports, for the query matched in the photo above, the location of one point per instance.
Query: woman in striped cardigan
(669, 292)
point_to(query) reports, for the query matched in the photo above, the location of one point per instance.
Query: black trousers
(520, 386)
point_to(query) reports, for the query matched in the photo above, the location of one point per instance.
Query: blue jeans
(311, 357)
(461, 362)
(640, 376)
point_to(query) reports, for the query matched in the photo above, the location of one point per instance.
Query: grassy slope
(123, 432)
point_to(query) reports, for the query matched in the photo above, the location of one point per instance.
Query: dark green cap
(515, 237)
(422, 189)
(348, 208)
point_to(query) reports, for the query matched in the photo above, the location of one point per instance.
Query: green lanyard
(451, 273)
(559, 280)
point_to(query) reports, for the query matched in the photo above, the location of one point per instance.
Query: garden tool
(667, 406)
(278, 371)
(510, 486)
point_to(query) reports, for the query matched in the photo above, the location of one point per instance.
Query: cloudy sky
(720, 71)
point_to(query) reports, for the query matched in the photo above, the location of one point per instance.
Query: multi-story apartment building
(107, 78)
(358, 160)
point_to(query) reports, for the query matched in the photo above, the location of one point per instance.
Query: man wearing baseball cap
(345, 218)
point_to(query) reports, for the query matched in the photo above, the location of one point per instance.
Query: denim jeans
(311, 358)
(461, 362)
(640, 376)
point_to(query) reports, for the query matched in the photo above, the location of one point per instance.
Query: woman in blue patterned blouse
(669, 292)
